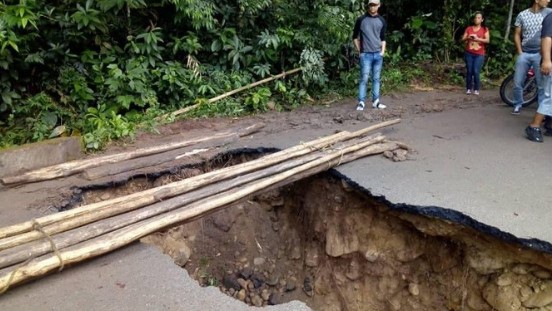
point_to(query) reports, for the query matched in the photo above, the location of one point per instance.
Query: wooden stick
(74, 167)
(124, 236)
(364, 131)
(250, 129)
(67, 238)
(147, 197)
(99, 172)
(134, 164)
(214, 99)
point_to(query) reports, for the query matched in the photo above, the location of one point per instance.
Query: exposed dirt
(331, 111)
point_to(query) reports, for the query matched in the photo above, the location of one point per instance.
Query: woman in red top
(476, 37)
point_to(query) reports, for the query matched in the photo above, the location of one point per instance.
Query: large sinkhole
(329, 243)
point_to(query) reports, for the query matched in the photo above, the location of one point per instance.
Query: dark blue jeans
(473, 68)
(370, 65)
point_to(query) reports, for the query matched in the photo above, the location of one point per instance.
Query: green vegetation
(104, 68)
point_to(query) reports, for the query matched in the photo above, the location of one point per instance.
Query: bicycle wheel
(529, 91)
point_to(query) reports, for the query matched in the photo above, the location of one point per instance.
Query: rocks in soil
(371, 254)
(277, 202)
(248, 285)
(259, 261)
(256, 300)
(323, 284)
(483, 262)
(521, 269)
(346, 186)
(542, 274)
(273, 280)
(295, 252)
(243, 283)
(501, 298)
(307, 286)
(341, 242)
(413, 289)
(257, 280)
(224, 219)
(505, 279)
(181, 254)
(231, 281)
(241, 295)
(353, 271)
(397, 155)
(395, 303)
(542, 296)
(311, 256)
(432, 107)
(246, 272)
(265, 294)
(178, 249)
(291, 284)
(275, 299)
(476, 302)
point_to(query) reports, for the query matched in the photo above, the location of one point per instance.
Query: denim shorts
(545, 106)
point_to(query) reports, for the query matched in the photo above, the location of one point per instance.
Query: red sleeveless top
(472, 46)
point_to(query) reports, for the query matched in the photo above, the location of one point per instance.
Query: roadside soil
(335, 112)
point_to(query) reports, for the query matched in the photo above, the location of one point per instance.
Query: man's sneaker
(517, 110)
(534, 134)
(377, 105)
(360, 106)
(476, 92)
(468, 92)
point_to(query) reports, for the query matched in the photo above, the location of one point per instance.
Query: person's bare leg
(537, 120)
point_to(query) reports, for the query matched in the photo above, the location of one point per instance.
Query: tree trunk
(509, 22)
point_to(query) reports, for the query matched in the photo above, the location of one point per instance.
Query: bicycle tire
(507, 91)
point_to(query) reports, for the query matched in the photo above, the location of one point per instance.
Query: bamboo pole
(150, 196)
(121, 237)
(243, 88)
(103, 225)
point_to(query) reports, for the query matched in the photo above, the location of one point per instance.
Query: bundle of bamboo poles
(34, 248)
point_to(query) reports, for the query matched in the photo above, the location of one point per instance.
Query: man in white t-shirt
(527, 41)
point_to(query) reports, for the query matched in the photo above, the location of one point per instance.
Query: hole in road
(329, 243)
